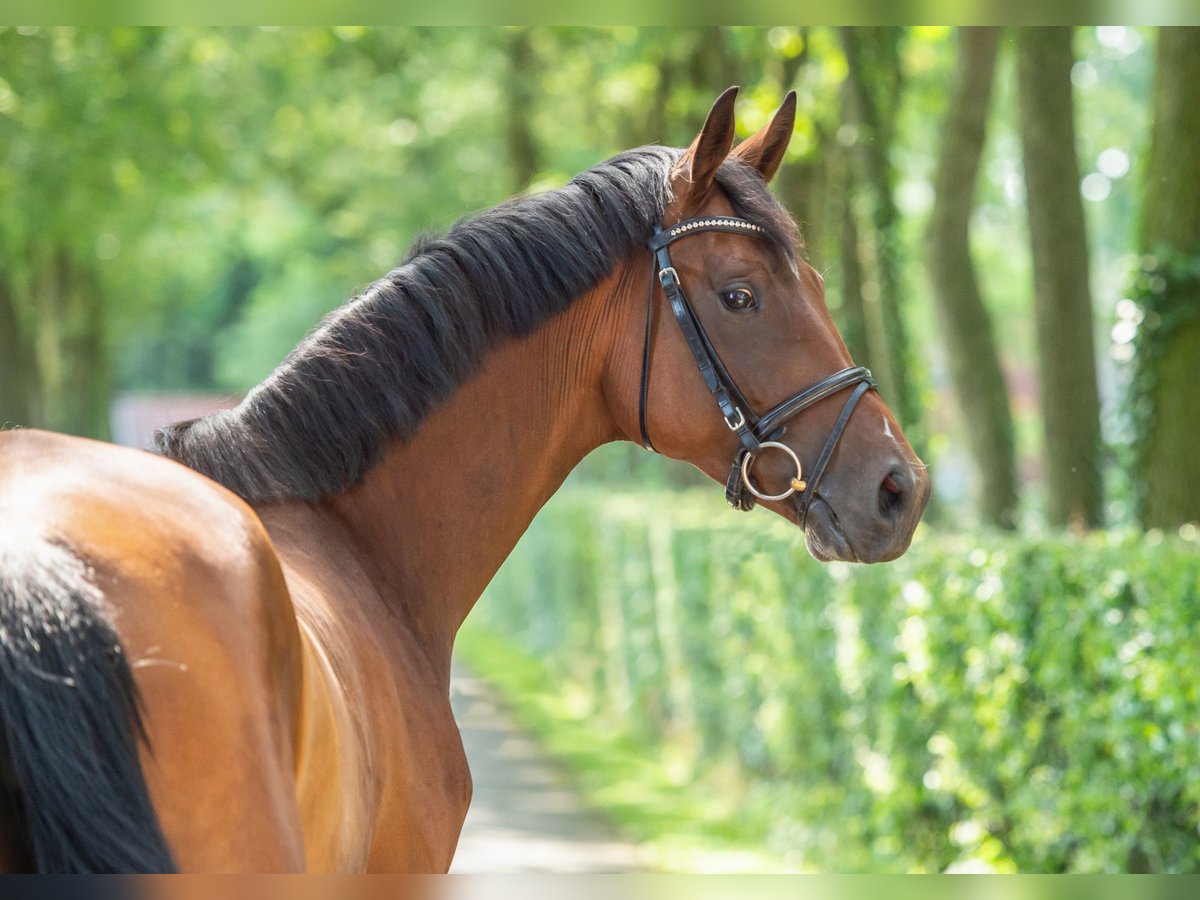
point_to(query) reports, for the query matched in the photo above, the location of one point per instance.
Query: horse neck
(437, 516)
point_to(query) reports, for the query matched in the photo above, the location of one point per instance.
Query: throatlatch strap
(644, 392)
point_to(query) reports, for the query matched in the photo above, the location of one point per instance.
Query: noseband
(755, 432)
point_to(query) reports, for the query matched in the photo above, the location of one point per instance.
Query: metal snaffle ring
(797, 484)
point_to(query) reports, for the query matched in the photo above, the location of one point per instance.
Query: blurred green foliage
(211, 192)
(985, 702)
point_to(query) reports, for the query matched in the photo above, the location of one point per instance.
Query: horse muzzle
(869, 525)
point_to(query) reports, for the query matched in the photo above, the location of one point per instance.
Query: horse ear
(696, 170)
(764, 150)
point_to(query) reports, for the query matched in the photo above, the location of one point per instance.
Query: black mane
(377, 366)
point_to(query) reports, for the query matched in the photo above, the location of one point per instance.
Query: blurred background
(1008, 222)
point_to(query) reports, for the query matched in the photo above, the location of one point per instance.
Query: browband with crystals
(709, 223)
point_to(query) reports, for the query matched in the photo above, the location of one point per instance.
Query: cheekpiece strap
(738, 416)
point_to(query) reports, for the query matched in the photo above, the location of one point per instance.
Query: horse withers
(234, 655)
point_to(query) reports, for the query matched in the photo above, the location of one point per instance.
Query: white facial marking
(887, 429)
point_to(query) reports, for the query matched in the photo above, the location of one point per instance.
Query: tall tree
(1063, 303)
(73, 350)
(522, 82)
(969, 335)
(84, 129)
(873, 85)
(16, 372)
(851, 312)
(1169, 343)
(714, 62)
(817, 188)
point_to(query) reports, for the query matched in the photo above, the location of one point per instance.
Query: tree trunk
(1169, 345)
(522, 78)
(852, 317)
(657, 127)
(802, 184)
(715, 65)
(1067, 362)
(874, 170)
(817, 191)
(969, 336)
(72, 351)
(16, 371)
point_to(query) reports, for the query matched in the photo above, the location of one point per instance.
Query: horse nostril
(891, 494)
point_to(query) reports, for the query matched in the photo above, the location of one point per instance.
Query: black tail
(70, 723)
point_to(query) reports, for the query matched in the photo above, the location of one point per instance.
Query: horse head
(744, 374)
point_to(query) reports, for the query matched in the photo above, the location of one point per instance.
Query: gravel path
(524, 817)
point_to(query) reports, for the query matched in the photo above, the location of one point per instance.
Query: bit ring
(796, 484)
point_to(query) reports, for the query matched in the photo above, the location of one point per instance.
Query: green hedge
(1012, 703)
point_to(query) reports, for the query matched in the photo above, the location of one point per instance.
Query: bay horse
(233, 655)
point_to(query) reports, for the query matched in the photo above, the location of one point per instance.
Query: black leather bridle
(755, 432)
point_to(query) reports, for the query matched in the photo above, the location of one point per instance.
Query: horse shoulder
(377, 728)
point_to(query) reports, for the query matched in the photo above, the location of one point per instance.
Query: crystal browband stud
(709, 223)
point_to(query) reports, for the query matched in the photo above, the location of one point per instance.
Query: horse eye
(739, 298)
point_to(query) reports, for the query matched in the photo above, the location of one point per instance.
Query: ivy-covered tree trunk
(969, 336)
(1062, 297)
(873, 84)
(1169, 343)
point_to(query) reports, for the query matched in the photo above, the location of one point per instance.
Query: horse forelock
(377, 366)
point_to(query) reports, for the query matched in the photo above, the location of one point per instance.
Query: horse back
(185, 575)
